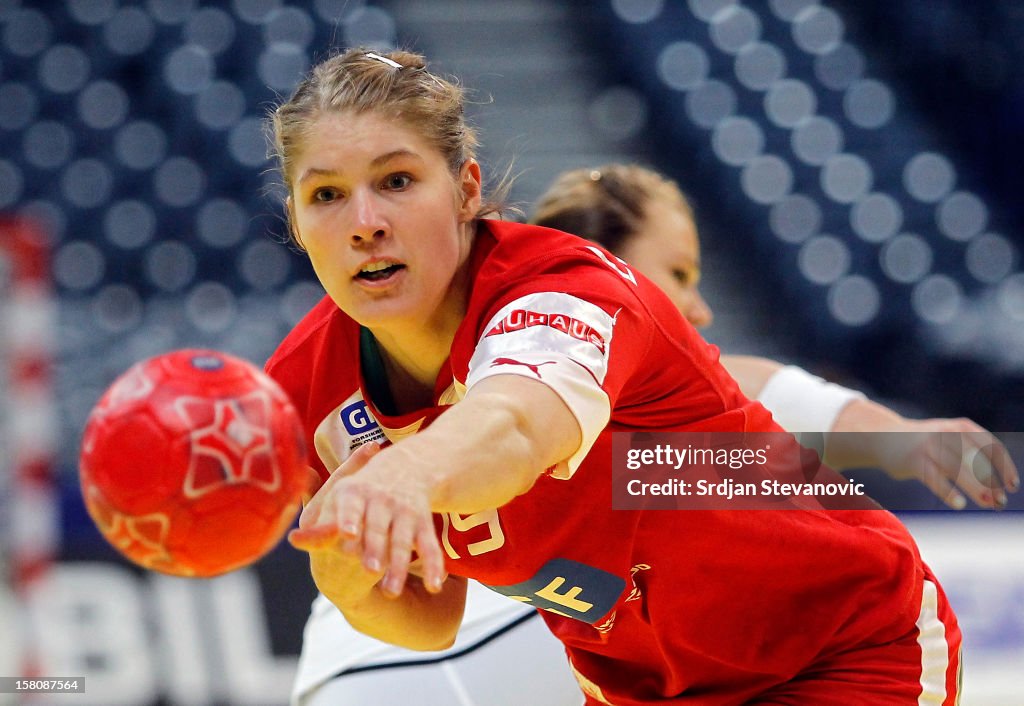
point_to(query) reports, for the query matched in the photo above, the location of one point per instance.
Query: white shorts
(502, 656)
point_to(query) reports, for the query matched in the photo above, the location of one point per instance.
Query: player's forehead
(668, 227)
(339, 142)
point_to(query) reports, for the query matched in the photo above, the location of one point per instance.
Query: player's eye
(681, 276)
(325, 195)
(397, 182)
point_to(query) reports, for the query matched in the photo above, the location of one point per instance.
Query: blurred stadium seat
(876, 229)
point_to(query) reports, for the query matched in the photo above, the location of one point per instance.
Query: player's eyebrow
(393, 154)
(378, 161)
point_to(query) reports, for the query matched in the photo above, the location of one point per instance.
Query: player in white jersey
(504, 655)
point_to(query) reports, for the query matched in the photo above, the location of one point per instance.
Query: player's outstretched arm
(951, 457)
(377, 508)
(751, 372)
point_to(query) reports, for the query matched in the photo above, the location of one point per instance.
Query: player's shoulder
(523, 242)
(517, 252)
(532, 277)
(324, 324)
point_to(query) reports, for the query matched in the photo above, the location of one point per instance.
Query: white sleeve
(560, 340)
(802, 402)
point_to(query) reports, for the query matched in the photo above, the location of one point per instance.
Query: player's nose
(698, 312)
(369, 221)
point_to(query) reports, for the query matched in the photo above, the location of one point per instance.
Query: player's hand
(954, 458)
(313, 484)
(379, 508)
(335, 563)
(312, 533)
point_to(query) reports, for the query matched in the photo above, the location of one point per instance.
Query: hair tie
(595, 175)
(378, 57)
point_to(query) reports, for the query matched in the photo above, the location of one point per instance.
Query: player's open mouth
(378, 271)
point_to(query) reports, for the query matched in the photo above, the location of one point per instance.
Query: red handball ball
(193, 463)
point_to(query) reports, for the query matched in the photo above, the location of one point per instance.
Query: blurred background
(854, 168)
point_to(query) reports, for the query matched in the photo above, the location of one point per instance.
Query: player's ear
(293, 226)
(470, 190)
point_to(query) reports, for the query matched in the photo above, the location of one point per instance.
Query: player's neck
(417, 349)
(411, 365)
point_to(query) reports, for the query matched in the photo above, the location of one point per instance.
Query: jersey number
(619, 266)
(495, 539)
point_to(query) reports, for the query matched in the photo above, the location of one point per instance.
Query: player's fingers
(979, 479)
(312, 510)
(359, 458)
(313, 505)
(430, 557)
(1005, 466)
(313, 484)
(972, 460)
(950, 455)
(400, 553)
(376, 534)
(978, 445)
(351, 547)
(349, 511)
(933, 478)
(958, 463)
(322, 497)
(315, 538)
(996, 461)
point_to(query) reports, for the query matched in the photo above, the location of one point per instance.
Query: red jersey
(710, 607)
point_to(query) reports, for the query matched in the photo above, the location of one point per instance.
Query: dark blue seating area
(876, 231)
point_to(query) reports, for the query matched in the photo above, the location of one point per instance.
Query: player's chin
(390, 310)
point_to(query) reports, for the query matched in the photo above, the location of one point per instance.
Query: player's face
(667, 251)
(387, 226)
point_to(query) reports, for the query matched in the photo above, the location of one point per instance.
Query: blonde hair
(606, 204)
(394, 84)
